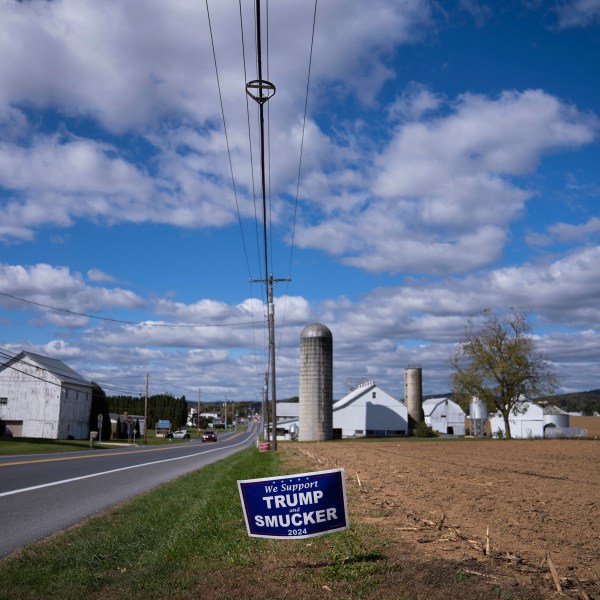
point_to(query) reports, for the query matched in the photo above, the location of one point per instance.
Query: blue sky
(450, 164)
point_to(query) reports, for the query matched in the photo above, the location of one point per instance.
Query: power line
(125, 322)
(312, 42)
(227, 139)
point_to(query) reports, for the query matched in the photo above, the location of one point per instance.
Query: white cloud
(443, 191)
(578, 13)
(127, 63)
(59, 287)
(567, 233)
(100, 276)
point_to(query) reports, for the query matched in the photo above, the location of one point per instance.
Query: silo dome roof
(316, 330)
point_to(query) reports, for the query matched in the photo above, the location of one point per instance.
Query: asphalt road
(43, 494)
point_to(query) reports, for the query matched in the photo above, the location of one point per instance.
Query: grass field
(592, 424)
(15, 445)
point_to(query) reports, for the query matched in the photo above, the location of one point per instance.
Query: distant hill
(587, 403)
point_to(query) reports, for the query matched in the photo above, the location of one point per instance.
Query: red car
(209, 436)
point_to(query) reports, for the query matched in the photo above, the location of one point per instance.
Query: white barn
(444, 416)
(42, 397)
(369, 410)
(366, 411)
(525, 425)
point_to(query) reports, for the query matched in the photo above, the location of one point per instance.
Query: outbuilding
(41, 397)
(526, 423)
(444, 416)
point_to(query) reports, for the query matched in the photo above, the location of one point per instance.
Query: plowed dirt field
(494, 509)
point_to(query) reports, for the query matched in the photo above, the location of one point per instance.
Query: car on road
(209, 436)
(181, 435)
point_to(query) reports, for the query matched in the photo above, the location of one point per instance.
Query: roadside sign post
(295, 506)
(100, 419)
(129, 421)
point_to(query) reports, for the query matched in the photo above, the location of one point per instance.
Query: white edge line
(156, 462)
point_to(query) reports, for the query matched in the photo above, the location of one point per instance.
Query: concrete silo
(413, 395)
(316, 384)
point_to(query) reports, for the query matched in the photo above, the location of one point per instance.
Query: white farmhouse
(42, 397)
(444, 416)
(527, 423)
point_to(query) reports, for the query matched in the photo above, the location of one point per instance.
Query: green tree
(498, 364)
(100, 407)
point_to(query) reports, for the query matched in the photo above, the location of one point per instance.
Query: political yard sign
(295, 506)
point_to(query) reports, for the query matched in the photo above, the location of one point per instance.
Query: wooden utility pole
(198, 419)
(146, 412)
(261, 91)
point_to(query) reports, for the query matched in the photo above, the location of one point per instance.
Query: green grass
(154, 546)
(38, 445)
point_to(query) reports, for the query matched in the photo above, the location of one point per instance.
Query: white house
(366, 411)
(444, 416)
(527, 424)
(42, 397)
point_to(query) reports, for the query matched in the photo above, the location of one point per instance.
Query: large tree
(497, 362)
(100, 407)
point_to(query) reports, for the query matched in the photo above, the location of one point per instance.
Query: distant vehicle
(181, 435)
(209, 436)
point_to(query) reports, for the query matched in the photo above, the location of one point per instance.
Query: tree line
(587, 403)
(160, 407)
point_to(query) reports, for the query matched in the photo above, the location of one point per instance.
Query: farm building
(288, 410)
(369, 410)
(444, 416)
(366, 411)
(42, 397)
(527, 423)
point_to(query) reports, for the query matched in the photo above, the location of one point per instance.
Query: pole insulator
(262, 86)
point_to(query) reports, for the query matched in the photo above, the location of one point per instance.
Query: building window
(374, 395)
(3, 401)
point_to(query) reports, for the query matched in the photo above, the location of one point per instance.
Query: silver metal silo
(316, 384)
(478, 415)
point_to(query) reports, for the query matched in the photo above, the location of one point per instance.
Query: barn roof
(53, 365)
(554, 410)
(362, 389)
(431, 404)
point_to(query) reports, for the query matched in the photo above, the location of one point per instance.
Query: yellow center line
(60, 458)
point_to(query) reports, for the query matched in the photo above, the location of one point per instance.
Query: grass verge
(41, 446)
(162, 544)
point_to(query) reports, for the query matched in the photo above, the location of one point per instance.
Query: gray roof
(554, 410)
(55, 366)
(288, 409)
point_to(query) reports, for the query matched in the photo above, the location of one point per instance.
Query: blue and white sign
(163, 424)
(295, 506)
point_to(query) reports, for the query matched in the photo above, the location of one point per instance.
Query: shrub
(424, 430)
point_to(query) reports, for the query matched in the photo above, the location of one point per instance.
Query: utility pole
(198, 415)
(265, 90)
(265, 409)
(146, 412)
